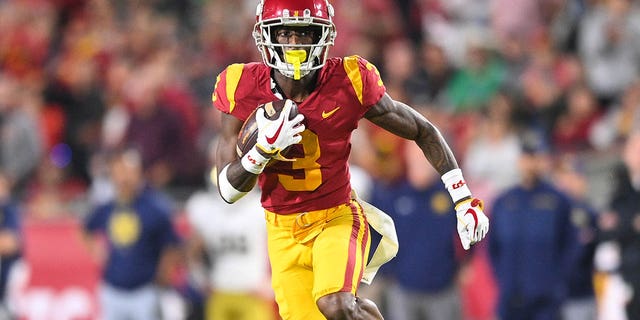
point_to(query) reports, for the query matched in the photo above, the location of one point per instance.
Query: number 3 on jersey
(312, 174)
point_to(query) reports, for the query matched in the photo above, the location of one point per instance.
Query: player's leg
(292, 275)
(346, 306)
(339, 257)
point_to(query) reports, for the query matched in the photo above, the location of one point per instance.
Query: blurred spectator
(609, 44)
(226, 243)
(580, 303)
(398, 65)
(561, 70)
(77, 91)
(495, 135)
(573, 128)
(139, 247)
(220, 20)
(157, 130)
(541, 103)
(411, 20)
(622, 224)
(613, 128)
(237, 276)
(569, 71)
(114, 124)
(451, 23)
(10, 242)
(116, 118)
(478, 80)
(426, 86)
(75, 84)
(516, 56)
(20, 138)
(517, 18)
(531, 242)
(425, 271)
(379, 24)
(26, 30)
(564, 17)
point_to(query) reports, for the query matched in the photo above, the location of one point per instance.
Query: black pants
(633, 306)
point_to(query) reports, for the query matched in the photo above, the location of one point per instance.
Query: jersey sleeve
(365, 80)
(237, 90)
(224, 92)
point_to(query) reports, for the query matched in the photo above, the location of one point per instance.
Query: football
(248, 135)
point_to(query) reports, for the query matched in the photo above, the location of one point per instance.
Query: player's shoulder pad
(362, 75)
(229, 89)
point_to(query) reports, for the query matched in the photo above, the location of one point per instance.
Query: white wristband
(253, 161)
(228, 192)
(456, 185)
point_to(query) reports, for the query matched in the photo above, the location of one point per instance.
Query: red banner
(57, 278)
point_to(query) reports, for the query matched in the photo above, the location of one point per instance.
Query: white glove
(275, 135)
(473, 224)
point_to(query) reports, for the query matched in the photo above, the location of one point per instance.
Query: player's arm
(238, 176)
(233, 180)
(402, 120)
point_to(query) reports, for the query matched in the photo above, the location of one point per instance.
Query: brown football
(248, 135)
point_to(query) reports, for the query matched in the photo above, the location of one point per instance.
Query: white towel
(388, 247)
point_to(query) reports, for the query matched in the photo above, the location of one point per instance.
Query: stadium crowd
(80, 79)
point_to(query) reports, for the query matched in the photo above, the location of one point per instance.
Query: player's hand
(473, 224)
(275, 135)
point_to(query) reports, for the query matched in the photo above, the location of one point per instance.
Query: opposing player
(318, 235)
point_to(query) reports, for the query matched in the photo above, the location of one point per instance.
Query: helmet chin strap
(296, 58)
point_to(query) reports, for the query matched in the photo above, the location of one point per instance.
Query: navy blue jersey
(9, 221)
(136, 236)
(426, 225)
(531, 242)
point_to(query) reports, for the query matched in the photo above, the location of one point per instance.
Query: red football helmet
(314, 14)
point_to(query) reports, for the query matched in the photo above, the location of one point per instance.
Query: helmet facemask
(296, 63)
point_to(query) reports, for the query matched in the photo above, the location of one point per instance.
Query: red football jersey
(319, 178)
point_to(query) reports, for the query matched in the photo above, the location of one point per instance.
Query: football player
(318, 232)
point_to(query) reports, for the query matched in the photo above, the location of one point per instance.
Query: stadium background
(79, 74)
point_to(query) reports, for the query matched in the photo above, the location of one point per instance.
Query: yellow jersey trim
(353, 72)
(234, 72)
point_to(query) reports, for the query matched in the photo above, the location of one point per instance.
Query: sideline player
(318, 235)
